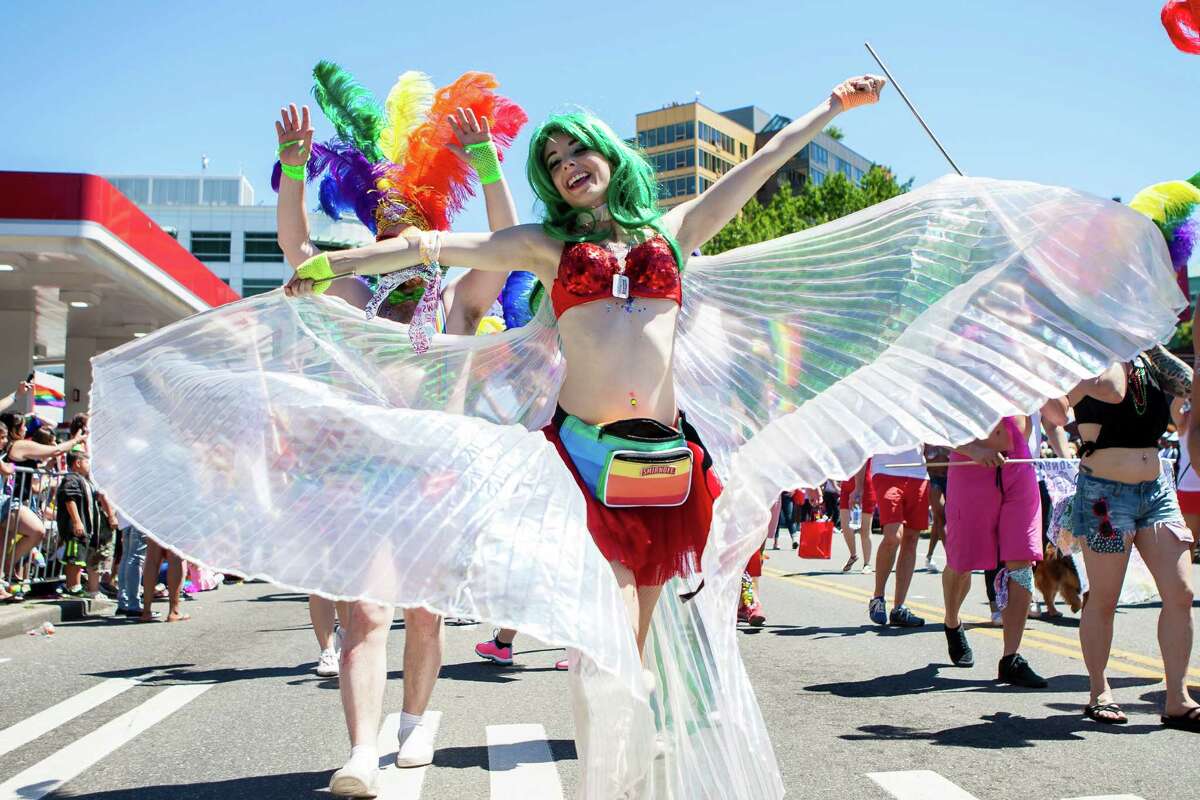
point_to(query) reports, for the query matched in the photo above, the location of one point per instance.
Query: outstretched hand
(468, 130)
(858, 91)
(294, 130)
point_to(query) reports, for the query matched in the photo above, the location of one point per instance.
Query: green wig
(632, 189)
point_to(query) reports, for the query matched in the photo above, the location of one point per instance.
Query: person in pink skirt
(993, 516)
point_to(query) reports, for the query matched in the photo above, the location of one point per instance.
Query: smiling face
(581, 176)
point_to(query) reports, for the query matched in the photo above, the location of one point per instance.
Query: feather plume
(434, 179)
(351, 108)
(406, 107)
(1181, 18)
(348, 185)
(1167, 203)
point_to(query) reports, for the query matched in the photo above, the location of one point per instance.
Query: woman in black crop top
(1121, 498)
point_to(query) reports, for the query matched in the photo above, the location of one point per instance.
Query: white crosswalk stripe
(919, 784)
(43, 722)
(49, 774)
(520, 763)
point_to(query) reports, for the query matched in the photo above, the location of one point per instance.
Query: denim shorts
(1109, 513)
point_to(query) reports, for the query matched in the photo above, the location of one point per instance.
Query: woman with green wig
(611, 263)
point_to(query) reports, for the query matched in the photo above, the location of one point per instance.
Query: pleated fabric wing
(295, 441)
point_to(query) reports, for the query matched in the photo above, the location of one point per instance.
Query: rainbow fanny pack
(631, 463)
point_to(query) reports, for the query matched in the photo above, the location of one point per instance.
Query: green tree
(1182, 340)
(835, 133)
(813, 205)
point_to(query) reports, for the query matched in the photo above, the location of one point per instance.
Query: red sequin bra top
(588, 272)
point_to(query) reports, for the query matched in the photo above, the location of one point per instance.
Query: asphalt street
(227, 706)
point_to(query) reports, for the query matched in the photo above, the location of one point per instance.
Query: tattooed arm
(1173, 375)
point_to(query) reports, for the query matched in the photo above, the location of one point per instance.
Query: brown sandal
(1094, 712)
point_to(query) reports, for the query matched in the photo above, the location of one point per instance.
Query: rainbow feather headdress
(1174, 207)
(389, 165)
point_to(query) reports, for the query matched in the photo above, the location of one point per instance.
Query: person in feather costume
(400, 168)
(959, 303)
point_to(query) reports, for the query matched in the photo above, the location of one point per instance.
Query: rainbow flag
(48, 396)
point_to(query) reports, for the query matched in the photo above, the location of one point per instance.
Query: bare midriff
(1123, 464)
(617, 354)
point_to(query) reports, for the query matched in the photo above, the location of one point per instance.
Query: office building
(691, 146)
(215, 218)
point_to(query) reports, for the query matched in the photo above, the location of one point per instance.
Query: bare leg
(1106, 572)
(174, 588)
(906, 562)
(937, 532)
(848, 533)
(32, 533)
(1014, 614)
(72, 575)
(422, 658)
(885, 559)
(865, 533)
(647, 597)
(1169, 561)
(322, 613)
(506, 635)
(955, 587)
(154, 556)
(364, 669)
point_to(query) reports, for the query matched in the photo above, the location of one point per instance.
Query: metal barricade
(27, 507)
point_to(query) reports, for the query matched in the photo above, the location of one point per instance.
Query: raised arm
(697, 221)
(470, 298)
(520, 247)
(1107, 387)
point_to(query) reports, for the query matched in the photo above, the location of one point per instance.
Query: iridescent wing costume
(296, 441)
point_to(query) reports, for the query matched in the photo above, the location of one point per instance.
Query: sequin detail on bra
(586, 270)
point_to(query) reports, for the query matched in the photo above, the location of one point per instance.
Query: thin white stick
(911, 107)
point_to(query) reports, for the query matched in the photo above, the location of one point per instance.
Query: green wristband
(484, 161)
(293, 171)
(318, 270)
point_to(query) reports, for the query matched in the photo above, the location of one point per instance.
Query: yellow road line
(1033, 639)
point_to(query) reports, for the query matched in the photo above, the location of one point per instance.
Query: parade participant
(935, 458)
(902, 491)
(993, 511)
(462, 504)
(788, 517)
(1122, 499)
(858, 491)
(1187, 481)
(359, 652)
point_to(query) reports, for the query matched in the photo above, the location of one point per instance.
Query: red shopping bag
(816, 539)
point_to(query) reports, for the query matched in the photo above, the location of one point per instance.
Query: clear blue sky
(1086, 94)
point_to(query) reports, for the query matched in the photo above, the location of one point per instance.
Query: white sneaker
(327, 665)
(416, 746)
(867, 569)
(931, 566)
(997, 619)
(354, 780)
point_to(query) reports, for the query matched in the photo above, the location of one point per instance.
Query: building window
(818, 154)
(175, 192)
(253, 286)
(817, 177)
(717, 139)
(262, 248)
(677, 132)
(221, 192)
(136, 189)
(843, 166)
(705, 183)
(745, 151)
(677, 187)
(858, 176)
(673, 159)
(714, 163)
(211, 246)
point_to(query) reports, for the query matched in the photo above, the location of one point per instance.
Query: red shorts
(902, 500)
(754, 568)
(1189, 502)
(656, 543)
(868, 495)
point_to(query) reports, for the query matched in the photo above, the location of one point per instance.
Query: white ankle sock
(408, 722)
(364, 757)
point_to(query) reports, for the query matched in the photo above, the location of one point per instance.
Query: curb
(16, 621)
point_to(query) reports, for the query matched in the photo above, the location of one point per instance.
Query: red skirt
(654, 543)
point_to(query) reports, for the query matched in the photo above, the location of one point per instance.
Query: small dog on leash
(1055, 576)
